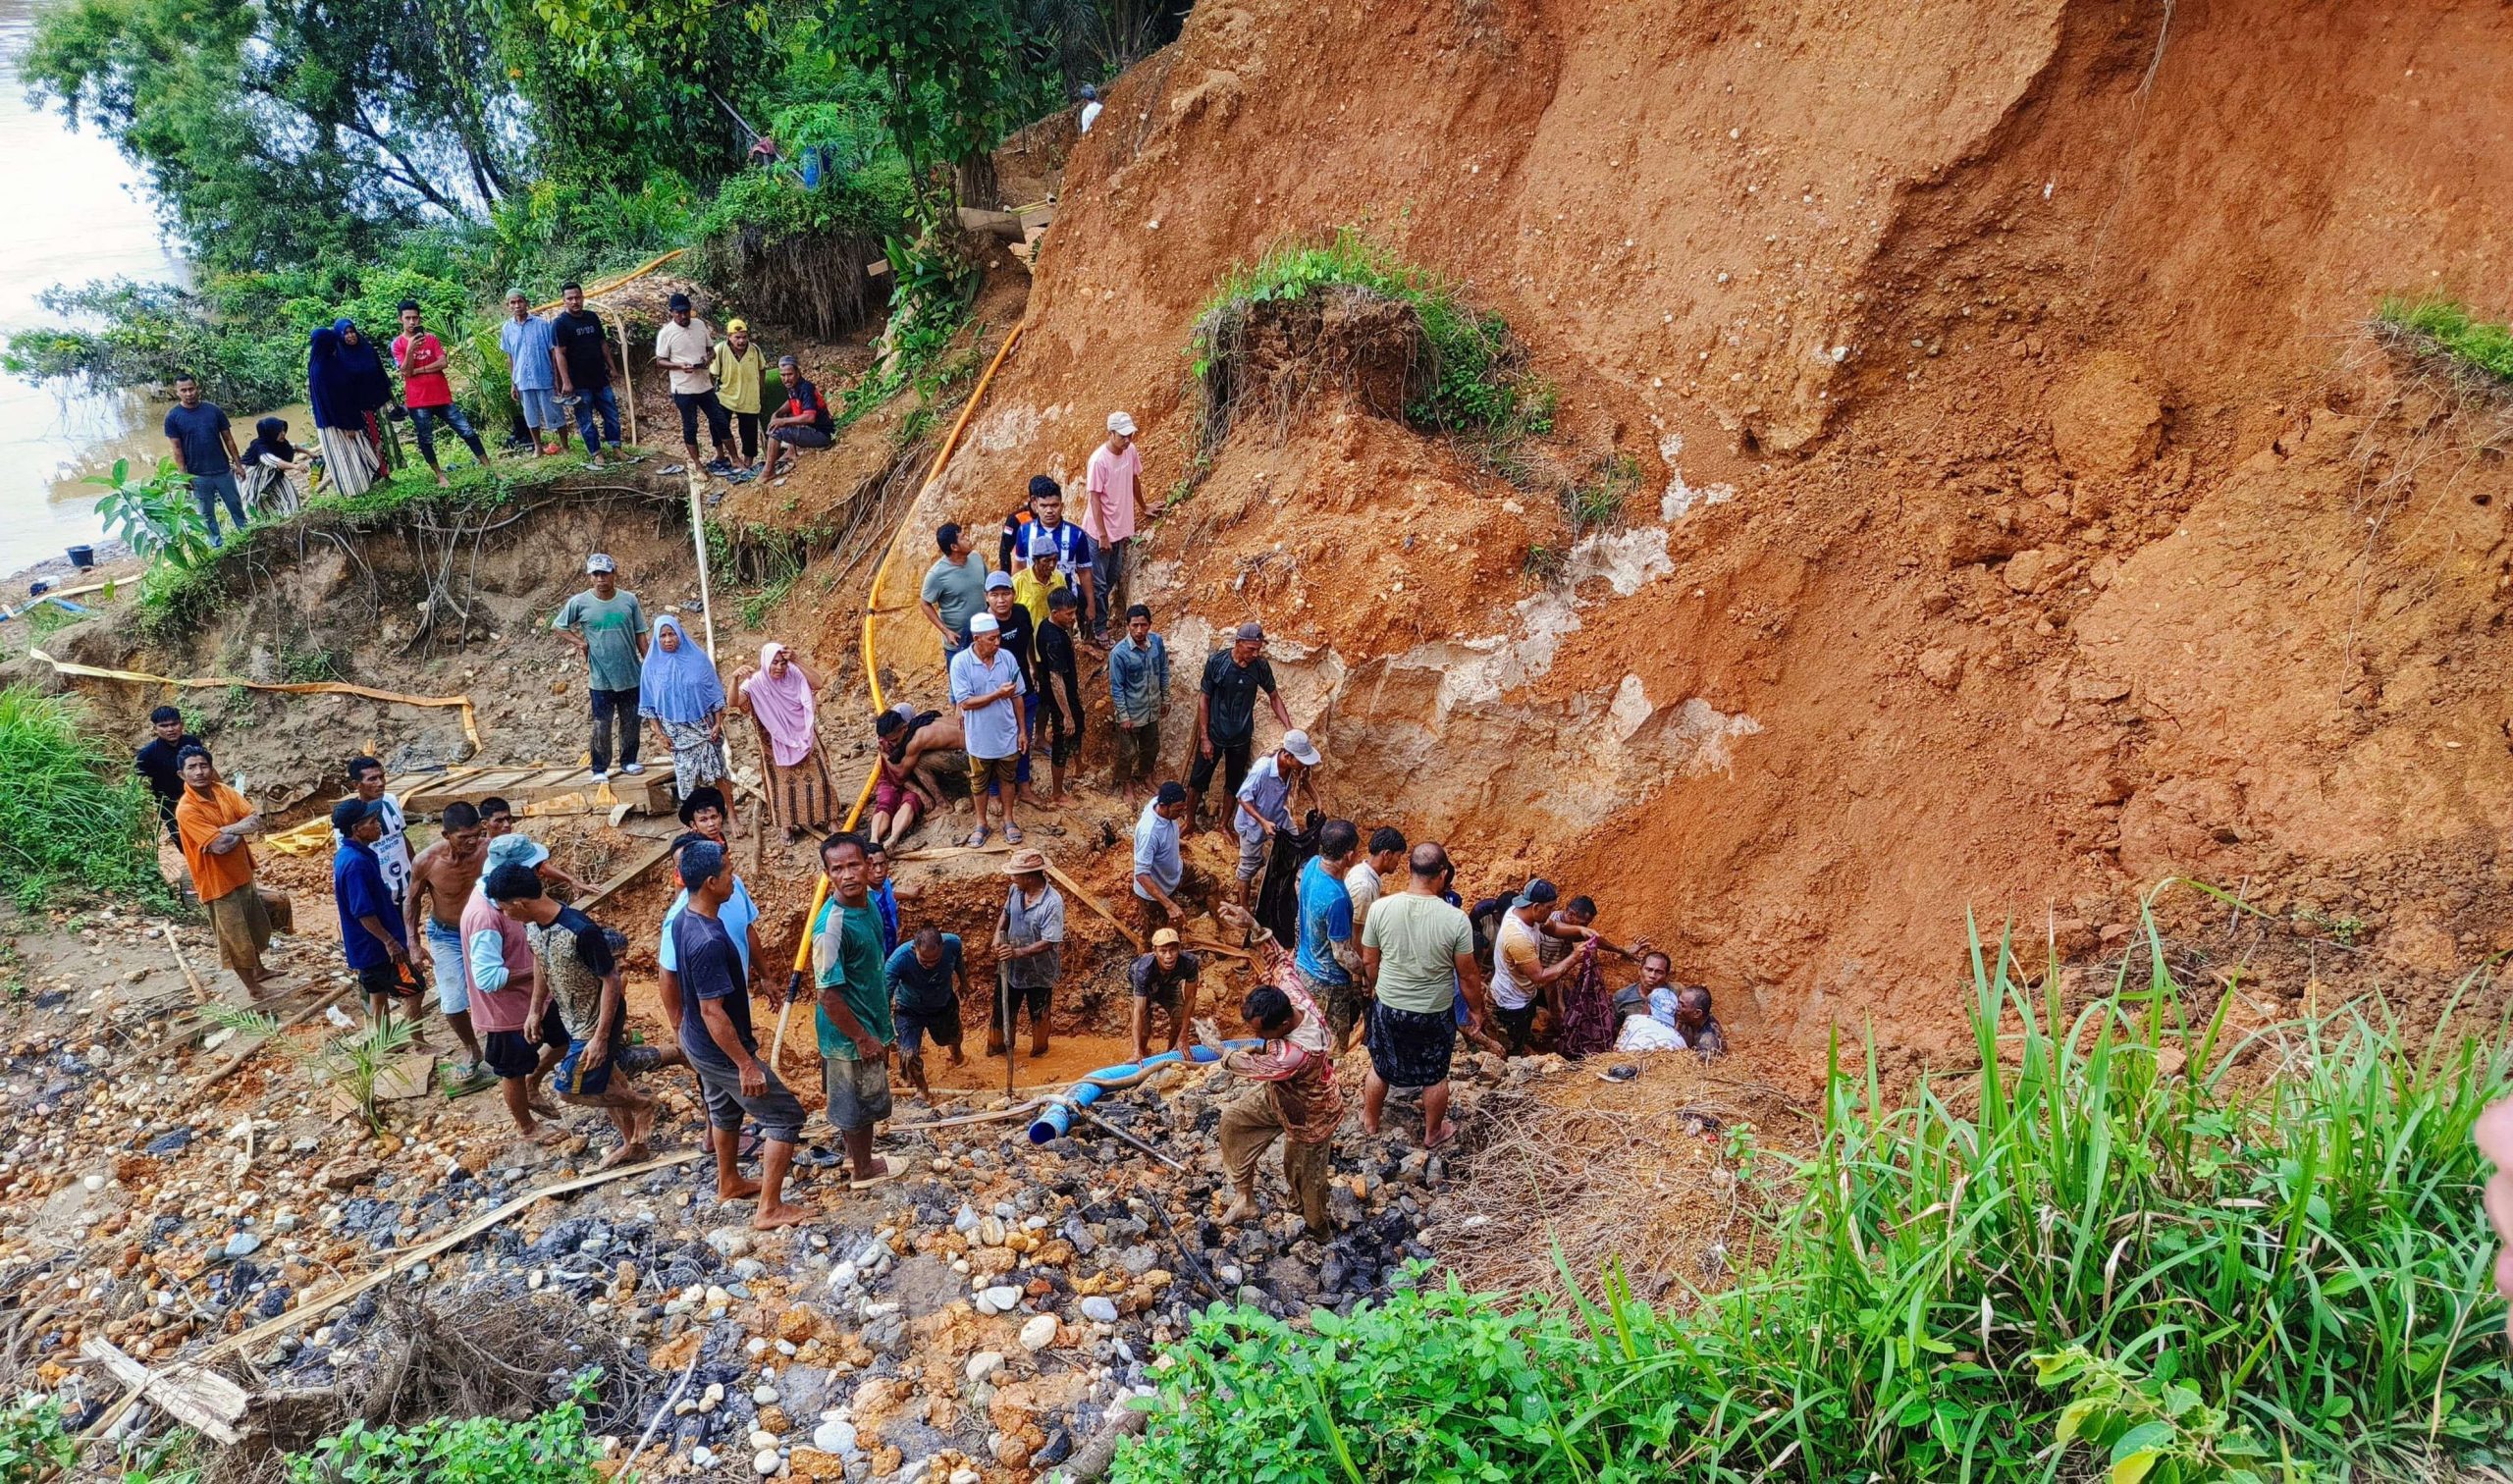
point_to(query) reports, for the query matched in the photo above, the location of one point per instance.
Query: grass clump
(73, 817)
(553, 1446)
(2131, 1242)
(2445, 327)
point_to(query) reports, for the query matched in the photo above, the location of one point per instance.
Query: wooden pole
(698, 537)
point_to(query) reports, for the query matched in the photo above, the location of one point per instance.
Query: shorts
(1410, 1048)
(541, 408)
(512, 1057)
(1251, 853)
(914, 1025)
(571, 1080)
(779, 1112)
(1518, 1027)
(859, 1092)
(390, 978)
(985, 771)
(1033, 997)
(1231, 758)
(800, 435)
(888, 796)
(445, 953)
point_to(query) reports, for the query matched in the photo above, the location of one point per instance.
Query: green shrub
(34, 1442)
(2128, 1243)
(2447, 327)
(73, 815)
(551, 1447)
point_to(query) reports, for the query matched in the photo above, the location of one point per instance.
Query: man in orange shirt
(212, 821)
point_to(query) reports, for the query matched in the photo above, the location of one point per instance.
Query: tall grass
(2447, 327)
(73, 815)
(2131, 1241)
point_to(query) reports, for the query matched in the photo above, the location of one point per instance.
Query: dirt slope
(2023, 519)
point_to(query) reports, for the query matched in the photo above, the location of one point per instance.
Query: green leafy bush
(34, 1442)
(2447, 327)
(73, 815)
(157, 517)
(550, 1447)
(2127, 1242)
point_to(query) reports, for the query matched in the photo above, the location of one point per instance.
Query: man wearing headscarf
(779, 696)
(677, 690)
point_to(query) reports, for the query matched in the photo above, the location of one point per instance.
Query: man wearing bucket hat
(1264, 803)
(1226, 717)
(1029, 947)
(608, 628)
(1111, 508)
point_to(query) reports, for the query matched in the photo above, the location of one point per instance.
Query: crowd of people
(1357, 937)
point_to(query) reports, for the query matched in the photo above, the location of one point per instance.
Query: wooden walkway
(648, 792)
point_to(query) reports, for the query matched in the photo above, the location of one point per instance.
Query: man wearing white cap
(1109, 515)
(987, 688)
(609, 628)
(1266, 804)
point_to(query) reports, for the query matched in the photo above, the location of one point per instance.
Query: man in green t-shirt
(609, 628)
(852, 1012)
(954, 590)
(1418, 954)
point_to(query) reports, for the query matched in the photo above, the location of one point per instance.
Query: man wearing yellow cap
(740, 369)
(1166, 977)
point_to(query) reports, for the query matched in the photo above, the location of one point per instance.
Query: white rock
(1099, 1309)
(703, 1455)
(1002, 1299)
(1038, 1333)
(842, 1277)
(989, 1231)
(980, 1365)
(836, 1435)
(966, 1222)
(768, 1463)
(756, 1348)
(765, 1395)
(965, 1476)
(761, 1437)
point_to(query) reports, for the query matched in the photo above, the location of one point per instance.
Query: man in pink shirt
(1109, 515)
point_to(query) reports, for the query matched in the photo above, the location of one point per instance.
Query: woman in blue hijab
(351, 461)
(680, 691)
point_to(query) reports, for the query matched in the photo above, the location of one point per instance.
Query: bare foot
(548, 1136)
(641, 1125)
(1442, 1135)
(1370, 1125)
(770, 1218)
(738, 1189)
(1239, 1209)
(957, 1059)
(546, 1110)
(621, 1155)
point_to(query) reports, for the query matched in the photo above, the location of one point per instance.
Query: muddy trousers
(607, 706)
(1249, 1124)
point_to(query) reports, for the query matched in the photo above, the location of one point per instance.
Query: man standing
(954, 590)
(442, 878)
(426, 391)
(580, 361)
(205, 449)
(1059, 680)
(1265, 804)
(392, 840)
(704, 813)
(803, 421)
(1166, 977)
(1521, 980)
(160, 761)
(521, 1035)
(370, 919)
(685, 346)
(1159, 866)
(928, 978)
(851, 1013)
(709, 1008)
(986, 689)
(1420, 953)
(740, 370)
(211, 823)
(607, 626)
(530, 344)
(573, 966)
(1039, 576)
(1138, 693)
(1346, 1013)
(1226, 717)
(1029, 944)
(1113, 503)
(1074, 549)
(1328, 954)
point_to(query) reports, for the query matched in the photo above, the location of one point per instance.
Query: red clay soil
(2036, 525)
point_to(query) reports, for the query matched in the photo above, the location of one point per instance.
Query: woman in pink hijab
(777, 697)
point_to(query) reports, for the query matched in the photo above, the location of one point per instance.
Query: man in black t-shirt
(1059, 688)
(708, 1002)
(156, 763)
(581, 350)
(1226, 717)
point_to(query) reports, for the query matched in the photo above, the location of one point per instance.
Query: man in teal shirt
(609, 628)
(852, 1010)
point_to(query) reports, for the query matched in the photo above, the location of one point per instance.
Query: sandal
(749, 1145)
(977, 841)
(1012, 835)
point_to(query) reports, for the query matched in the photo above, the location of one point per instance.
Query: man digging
(1295, 1094)
(928, 978)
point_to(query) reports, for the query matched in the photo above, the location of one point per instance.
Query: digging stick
(200, 992)
(1127, 1138)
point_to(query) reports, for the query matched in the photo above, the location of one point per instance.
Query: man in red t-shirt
(426, 391)
(803, 422)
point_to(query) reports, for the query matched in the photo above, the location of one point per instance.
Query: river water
(81, 214)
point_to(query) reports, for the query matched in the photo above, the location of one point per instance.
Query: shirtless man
(446, 871)
(938, 749)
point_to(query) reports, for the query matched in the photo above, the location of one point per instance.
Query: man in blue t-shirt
(708, 1002)
(205, 449)
(1327, 956)
(928, 978)
(371, 931)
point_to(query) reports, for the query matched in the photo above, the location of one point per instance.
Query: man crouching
(1295, 1094)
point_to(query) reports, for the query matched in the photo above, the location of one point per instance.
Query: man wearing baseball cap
(370, 921)
(1110, 508)
(1165, 977)
(607, 626)
(1520, 978)
(1264, 803)
(1226, 716)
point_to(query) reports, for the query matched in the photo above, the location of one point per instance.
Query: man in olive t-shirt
(609, 628)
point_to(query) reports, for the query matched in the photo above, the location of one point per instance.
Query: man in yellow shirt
(740, 369)
(1035, 581)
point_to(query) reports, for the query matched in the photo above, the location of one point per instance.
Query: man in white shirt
(685, 346)
(1090, 107)
(1113, 503)
(392, 847)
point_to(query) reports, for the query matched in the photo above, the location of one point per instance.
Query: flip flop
(748, 1148)
(1012, 835)
(977, 841)
(820, 1156)
(889, 1172)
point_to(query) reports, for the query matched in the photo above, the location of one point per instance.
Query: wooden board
(648, 792)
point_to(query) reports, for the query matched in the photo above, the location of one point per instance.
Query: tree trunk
(977, 183)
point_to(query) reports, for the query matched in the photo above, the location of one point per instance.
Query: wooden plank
(627, 874)
(204, 1400)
